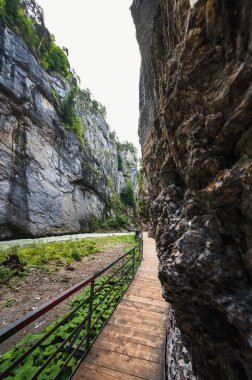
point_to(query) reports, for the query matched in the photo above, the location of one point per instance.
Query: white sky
(100, 37)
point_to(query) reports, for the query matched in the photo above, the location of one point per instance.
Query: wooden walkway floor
(131, 346)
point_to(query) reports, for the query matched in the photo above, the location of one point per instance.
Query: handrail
(24, 321)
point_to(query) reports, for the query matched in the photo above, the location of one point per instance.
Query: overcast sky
(100, 37)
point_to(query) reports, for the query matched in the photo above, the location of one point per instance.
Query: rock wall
(196, 137)
(50, 183)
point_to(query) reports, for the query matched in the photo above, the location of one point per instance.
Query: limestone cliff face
(196, 137)
(50, 183)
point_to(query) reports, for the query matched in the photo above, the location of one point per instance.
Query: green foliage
(104, 302)
(119, 221)
(5, 274)
(112, 136)
(114, 202)
(126, 146)
(9, 302)
(48, 254)
(68, 114)
(95, 173)
(26, 19)
(55, 60)
(119, 161)
(127, 195)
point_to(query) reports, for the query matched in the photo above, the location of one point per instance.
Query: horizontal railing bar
(37, 344)
(105, 296)
(30, 317)
(22, 322)
(104, 324)
(100, 315)
(40, 341)
(118, 270)
(59, 348)
(78, 346)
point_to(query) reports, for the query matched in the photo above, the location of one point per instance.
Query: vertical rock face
(196, 137)
(50, 182)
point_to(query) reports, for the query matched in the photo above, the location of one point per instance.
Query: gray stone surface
(196, 143)
(49, 183)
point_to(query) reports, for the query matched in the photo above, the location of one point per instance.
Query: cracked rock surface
(49, 183)
(196, 136)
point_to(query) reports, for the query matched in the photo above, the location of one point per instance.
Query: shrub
(127, 195)
(119, 161)
(5, 274)
(26, 19)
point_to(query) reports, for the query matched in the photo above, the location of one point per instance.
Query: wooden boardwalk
(131, 346)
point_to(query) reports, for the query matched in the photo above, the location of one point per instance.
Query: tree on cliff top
(26, 19)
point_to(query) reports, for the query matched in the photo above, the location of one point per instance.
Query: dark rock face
(49, 182)
(196, 141)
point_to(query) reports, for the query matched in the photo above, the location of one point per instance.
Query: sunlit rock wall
(50, 183)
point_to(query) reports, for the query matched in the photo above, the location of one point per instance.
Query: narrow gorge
(62, 169)
(195, 132)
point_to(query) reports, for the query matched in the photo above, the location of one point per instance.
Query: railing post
(122, 273)
(90, 307)
(142, 248)
(133, 264)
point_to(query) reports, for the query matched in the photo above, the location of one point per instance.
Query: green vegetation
(51, 256)
(26, 19)
(69, 116)
(127, 195)
(89, 104)
(114, 288)
(96, 173)
(115, 202)
(119, 161)
(126, 146)
(104, 302)
(112, 223)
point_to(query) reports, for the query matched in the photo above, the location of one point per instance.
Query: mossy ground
(52, 256)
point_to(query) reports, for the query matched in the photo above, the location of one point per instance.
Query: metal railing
(91, 310)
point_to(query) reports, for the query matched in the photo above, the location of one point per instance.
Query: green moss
(90, 168)
(115, 202)
(52, 254)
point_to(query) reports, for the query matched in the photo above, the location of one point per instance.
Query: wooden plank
(145, 306)
(152, 330)
(129, 334)
(141, 311)
(146, 300)
(124, 363)
(131, 346)
(146, 293)
(138, 318)
(90, 371)
(136, 350)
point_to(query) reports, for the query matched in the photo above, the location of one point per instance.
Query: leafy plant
(26, 19)
(9, 302)
(104, 302)
(127, 195)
